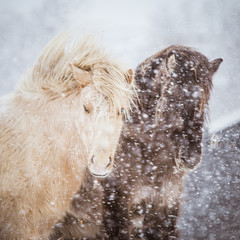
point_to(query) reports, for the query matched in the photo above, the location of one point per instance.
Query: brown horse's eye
(86, 109)
(121, 112)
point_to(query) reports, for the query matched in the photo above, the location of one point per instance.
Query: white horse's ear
(171, 62)
(130, 75)
(83, 77)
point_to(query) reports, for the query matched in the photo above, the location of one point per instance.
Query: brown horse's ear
(171, 62)
(130, 75)
(215, 64)
(83, 77)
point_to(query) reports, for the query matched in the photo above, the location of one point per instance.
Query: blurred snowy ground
(132, 31)
(211, 210)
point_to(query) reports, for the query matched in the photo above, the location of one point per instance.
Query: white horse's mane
(52, 74)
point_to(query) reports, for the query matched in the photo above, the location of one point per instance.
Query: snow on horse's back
(64, 117)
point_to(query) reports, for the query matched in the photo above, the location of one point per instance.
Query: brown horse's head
(186, 84)
(175, 87)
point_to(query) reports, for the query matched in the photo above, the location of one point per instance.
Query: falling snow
(133, 31)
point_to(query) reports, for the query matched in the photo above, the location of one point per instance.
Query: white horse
(64, 117)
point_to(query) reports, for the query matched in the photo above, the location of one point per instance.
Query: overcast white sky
(131, 30)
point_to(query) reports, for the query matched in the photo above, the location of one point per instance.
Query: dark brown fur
(159, 144)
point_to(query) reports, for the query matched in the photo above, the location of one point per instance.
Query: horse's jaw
(99, 175)
(187, 163)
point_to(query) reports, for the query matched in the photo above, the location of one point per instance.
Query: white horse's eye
(121, 112)
(86, 109)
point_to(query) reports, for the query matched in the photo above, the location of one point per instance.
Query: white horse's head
(99, 88)
(101, 118)
(100, 132)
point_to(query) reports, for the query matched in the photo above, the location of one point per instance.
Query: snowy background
(133, 30)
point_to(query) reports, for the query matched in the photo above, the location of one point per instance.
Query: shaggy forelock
(52, 73)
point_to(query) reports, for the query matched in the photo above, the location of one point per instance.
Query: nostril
(109, 163)
(92, 159)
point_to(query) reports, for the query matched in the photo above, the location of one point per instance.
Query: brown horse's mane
(149, 69)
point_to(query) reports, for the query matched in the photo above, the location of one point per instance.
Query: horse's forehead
(89, 93)
(92, 97)
(98, 100)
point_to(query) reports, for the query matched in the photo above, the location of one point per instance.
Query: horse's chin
(99, 175)
(187, 164)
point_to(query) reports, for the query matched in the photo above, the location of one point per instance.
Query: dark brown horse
(160, 143)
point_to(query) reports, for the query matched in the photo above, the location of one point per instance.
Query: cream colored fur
(47, 137)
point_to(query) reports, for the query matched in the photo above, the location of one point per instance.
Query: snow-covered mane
(53, 74)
